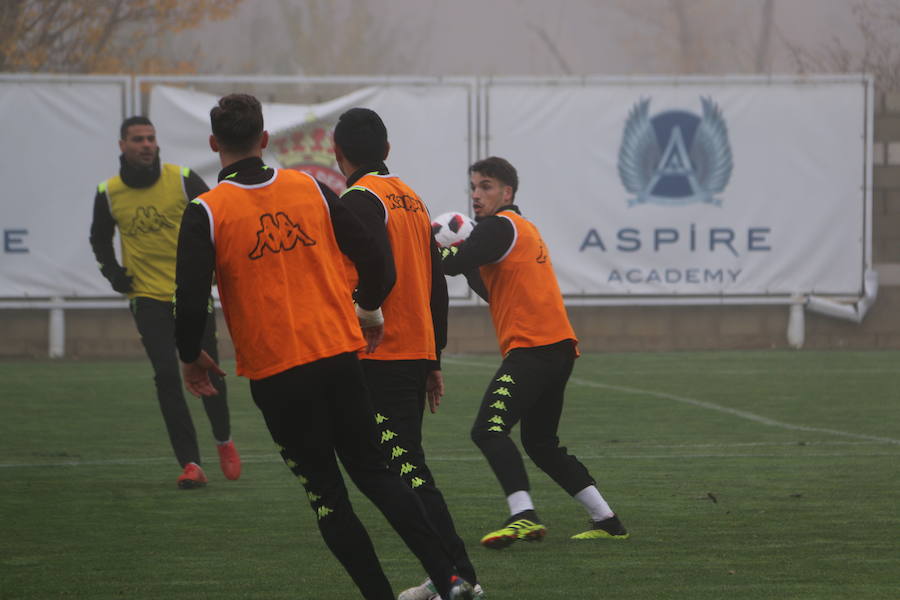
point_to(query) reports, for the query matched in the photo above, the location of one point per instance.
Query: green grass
(743, 475)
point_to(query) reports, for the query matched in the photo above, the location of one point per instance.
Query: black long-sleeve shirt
(197, 257)
(103, 226)
(492, 238)
(371, 212)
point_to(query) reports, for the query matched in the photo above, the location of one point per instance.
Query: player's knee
(328, 504)
(482, 435)
(540, 451)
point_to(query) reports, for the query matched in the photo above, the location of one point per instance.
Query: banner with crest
(428, 129)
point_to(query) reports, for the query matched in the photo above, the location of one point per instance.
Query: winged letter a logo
(676, 157)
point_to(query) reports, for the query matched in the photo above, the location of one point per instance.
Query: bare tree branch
(764, 47)
(78, 37)
(878, 23)
(552, 47)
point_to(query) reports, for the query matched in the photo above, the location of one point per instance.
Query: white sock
(593, 501)
(518, 502)
(218, 443)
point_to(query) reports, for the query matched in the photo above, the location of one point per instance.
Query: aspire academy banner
(744, 188)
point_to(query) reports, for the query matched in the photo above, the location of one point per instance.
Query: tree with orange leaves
(97, 36)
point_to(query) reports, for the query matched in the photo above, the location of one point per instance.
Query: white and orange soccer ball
(451, 228)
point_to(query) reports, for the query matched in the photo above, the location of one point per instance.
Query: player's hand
(196, 375)
(372, 324)
(434, 389)
(373, 335)
(122, 282)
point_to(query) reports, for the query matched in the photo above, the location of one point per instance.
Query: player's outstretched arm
(489, 242)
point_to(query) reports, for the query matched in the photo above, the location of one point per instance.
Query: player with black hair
(275, 240)
(508, 265)
(145, 201)
(405, 369)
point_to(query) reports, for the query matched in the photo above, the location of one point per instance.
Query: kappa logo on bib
(278, 233)
(147, 220)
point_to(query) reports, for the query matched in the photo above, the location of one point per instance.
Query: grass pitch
(743, 475)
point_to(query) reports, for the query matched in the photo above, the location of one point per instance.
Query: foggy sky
(512, 37)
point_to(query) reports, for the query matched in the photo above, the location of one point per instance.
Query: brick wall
(886, 195)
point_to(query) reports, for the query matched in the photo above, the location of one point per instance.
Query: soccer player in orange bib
(406, 367)
(507, 263)
(275, 240)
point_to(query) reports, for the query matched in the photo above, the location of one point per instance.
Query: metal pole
(796, 329)
(57, 334)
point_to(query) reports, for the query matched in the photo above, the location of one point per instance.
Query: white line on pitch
(466, 458)
(703, 404)
(674, 371)
(466, 455)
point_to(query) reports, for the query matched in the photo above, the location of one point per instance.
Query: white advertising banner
(665, 189)
(428, 129)
(696, 188)
(59, 141)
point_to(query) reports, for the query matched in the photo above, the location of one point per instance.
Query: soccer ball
(451, 229)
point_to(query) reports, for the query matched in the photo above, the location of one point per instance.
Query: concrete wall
(111, 333)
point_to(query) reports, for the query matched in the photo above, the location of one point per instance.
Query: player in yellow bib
(145, 202)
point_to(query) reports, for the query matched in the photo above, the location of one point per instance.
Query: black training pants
(318, 413)
(398, 396)
(155, 322)
(529, 387)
